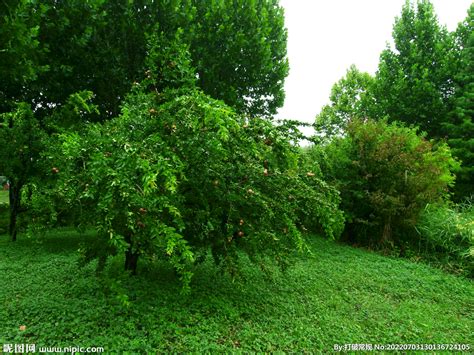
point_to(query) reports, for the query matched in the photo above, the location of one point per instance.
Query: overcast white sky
(326, 36)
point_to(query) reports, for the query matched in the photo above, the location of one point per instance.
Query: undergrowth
(446, 235)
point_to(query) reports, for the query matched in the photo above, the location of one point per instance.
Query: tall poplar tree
(459, 129)
(414, 79)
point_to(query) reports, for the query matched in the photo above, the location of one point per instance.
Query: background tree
(100, 46)
(350, 98)
(414, 79)
(238, 50)
(23, 141)
(459, 129)
(424, 80)
(19, 55)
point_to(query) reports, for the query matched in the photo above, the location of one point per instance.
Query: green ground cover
(337, 295)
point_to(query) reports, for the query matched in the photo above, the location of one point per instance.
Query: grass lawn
(338, 295)
(3, 196)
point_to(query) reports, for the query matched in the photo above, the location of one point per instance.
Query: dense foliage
(386, 174)
(18, 51)
(186, 174)
(350, 98)
(62, 47)
(447, 236)
(239, 51)
(459, 129)
(20, 157)
(414, 79)
(58, 56)
(424, 80)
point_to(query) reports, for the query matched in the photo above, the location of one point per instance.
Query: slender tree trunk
(131, 257)
(387, 232)
(14, 194)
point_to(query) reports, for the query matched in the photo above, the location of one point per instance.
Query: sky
(326, 36)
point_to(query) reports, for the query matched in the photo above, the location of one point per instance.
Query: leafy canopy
(414, 79)
(350, 98)
(459, 129)
(238, 49)
(22, 142)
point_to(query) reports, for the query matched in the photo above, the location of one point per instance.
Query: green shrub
(386, 174)
(179, 175)
(447, 232)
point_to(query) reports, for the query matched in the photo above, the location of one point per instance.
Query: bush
(178, 175)
(386, 174)
(447, 232)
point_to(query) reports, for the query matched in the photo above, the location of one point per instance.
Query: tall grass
(447, 233)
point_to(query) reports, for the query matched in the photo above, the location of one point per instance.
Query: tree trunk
(387, 232)
(14, 194)
(131, 257)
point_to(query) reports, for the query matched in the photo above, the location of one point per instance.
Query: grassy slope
(338, 295)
